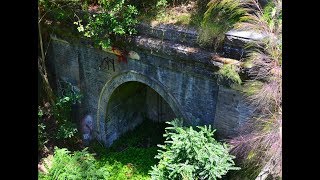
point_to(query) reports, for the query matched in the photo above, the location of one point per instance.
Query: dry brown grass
(260, 142)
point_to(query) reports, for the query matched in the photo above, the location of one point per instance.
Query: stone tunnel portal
(133, 102)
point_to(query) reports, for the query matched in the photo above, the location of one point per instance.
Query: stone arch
(122, 78)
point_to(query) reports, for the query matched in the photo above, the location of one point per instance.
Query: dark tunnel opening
(134, 106)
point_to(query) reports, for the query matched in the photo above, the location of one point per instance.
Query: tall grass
(219, 18)
(259, 144)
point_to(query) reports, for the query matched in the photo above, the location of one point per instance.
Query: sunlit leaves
(190, 153)
(77, 165)
(117, 18)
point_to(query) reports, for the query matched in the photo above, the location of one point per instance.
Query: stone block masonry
(184, 79)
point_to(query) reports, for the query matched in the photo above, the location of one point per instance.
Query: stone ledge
(235, 40)
(173, 33)
(245, 36)
(168, 49)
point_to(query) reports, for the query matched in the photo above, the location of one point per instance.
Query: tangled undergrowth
(130, 157)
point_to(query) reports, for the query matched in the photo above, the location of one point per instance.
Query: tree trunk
(42, 69)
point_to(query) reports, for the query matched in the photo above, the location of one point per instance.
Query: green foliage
(78, 165)
(187, 13)
(161, 3)
(147, 134)
(61, 10)
(249, 87)
(57, 17)
(42, 135)
(191, 154)
(150, 6)
(128, 158)
(117, 18)
(161, 8)
(40, 112)
(219, 18)
(137, 147)
(67, 130)
(132, 162)
(228, 75)
(272, 15)
(132, 155)
(62, 113)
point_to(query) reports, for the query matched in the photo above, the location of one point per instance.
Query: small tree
(191, 154)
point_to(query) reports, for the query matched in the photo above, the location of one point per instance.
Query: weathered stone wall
(184, 78)
(231, 111)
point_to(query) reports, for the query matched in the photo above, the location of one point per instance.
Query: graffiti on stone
(105, 63)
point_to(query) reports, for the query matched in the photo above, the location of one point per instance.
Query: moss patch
(228, 75)
(249, 87)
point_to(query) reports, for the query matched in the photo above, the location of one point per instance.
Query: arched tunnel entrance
(134, 104)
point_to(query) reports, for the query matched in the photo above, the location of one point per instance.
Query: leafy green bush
(161, 7)
(132, 155)
(62, 113)
(130, 163)
(116, 18)
(78, 165)
(125, 159)
(66, 130)
(191, 154)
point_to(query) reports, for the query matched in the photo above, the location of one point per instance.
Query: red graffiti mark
(121, 54)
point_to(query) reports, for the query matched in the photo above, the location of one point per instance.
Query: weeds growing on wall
(260, 143)
(228, 75)
(219, 18)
